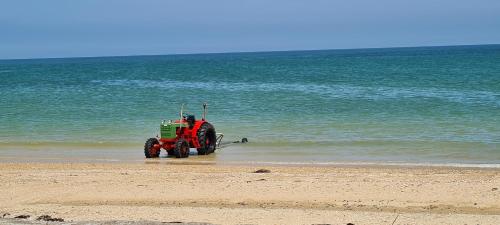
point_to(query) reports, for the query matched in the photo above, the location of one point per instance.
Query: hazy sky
(65, 28)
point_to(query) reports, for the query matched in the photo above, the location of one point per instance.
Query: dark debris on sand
(262, 171)
(49, 218)
(12, 221)
(22, 217)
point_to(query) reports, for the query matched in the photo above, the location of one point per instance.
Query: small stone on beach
(494, 189)
(262, 171)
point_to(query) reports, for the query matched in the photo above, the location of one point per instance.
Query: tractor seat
(190, 119)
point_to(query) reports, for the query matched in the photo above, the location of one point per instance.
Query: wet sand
(234, 194)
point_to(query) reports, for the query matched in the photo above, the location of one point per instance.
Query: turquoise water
(432, 104)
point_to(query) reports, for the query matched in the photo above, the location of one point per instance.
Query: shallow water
(413, 105)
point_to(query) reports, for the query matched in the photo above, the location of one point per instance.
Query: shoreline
(198, 161)
(246, 154)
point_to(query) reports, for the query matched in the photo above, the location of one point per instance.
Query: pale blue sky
(64, 28)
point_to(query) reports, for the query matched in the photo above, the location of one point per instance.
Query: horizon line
(243, 52)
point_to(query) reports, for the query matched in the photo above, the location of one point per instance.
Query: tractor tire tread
(148, 145)
(202, 136)
(177, 150)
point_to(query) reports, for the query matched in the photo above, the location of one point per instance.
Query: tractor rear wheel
(149, 150)
(207, 139)
(181, 149)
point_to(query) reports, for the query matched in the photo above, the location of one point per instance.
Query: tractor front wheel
(181, 149)
(149, 148)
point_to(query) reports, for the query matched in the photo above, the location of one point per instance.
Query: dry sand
(231, 194)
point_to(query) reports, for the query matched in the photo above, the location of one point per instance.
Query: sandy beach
(235, 194)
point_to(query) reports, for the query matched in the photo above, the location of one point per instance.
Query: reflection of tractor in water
(178, 136)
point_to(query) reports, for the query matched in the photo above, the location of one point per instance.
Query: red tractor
(177, 137)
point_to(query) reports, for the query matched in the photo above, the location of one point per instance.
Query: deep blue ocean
(415, 105)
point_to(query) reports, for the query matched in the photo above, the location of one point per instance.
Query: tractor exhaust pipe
(204, 115)
(181, 112)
